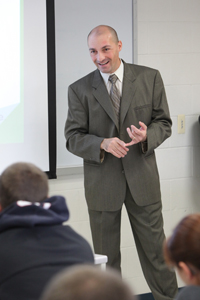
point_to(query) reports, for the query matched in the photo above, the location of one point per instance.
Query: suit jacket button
(123, 172)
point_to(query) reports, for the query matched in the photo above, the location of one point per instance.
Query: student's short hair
(86, 282)
(22, 181)
(184, 243)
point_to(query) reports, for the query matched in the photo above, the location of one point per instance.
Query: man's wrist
(144, 139)
(144, 144)
(102, 145)
(102, 152)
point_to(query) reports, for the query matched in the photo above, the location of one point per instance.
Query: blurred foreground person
(35, 244)
(182, 251)
(88, 283)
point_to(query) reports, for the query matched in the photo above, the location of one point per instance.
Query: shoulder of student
(189, 292)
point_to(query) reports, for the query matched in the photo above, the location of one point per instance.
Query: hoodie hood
(52, 211)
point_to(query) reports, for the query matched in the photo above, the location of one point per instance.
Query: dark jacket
(34, 246)
(191, 292)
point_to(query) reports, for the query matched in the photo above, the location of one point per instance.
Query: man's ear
(0, 208)
(187, 272)
(120, 45)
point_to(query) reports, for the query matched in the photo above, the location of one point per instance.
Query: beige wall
(169, 40)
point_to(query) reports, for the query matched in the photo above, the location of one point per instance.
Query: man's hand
(137, 135)
(114, 146)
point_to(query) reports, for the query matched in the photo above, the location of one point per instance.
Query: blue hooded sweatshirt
(35, 245)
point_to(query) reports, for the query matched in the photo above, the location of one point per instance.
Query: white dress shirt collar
(119, 73)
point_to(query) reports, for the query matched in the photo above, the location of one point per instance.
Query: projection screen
(27, 78)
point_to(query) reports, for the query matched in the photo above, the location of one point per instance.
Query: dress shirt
(119, 73)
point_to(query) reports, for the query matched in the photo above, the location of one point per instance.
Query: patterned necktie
(114, 94)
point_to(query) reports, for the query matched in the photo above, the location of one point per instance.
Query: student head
(22, 181)
(182, 249)
(104, 47)
(84, 282)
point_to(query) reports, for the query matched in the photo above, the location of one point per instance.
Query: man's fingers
(115, 146)
(143, 126)
(130, 144)
(137, 135)
(121, 149)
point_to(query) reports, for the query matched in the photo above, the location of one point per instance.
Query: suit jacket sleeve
(159, 128)
(79, 140)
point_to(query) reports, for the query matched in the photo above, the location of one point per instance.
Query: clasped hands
(118, 148)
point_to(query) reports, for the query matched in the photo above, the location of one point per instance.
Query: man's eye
(92, 51)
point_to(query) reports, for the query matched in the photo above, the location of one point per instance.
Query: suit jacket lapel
(128, 91)
(101, 94)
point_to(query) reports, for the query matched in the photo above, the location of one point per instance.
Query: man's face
(104, 51)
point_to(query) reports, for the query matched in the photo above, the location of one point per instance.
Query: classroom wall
(168, 40)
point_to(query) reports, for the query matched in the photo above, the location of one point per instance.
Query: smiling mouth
(104, 63)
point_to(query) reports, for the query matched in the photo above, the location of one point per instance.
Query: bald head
(103, 29)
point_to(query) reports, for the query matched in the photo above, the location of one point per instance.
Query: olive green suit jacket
(91, 118)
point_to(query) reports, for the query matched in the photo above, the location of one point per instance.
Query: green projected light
(11, 75)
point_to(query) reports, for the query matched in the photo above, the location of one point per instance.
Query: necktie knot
(113, 78)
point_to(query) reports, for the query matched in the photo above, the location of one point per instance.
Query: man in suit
(117, 145)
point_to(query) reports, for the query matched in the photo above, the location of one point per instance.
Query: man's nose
(100, 56)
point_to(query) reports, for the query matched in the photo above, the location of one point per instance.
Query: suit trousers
(147, 227)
